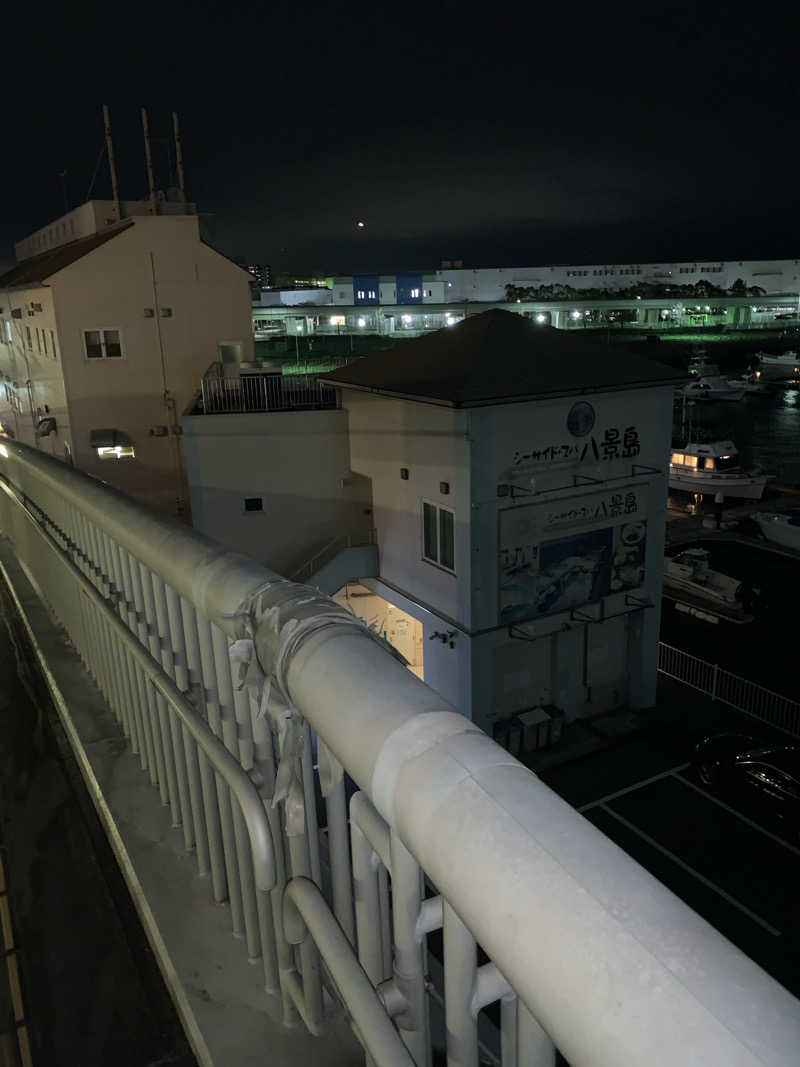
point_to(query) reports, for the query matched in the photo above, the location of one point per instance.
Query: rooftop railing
(226, 679)
(254, 391)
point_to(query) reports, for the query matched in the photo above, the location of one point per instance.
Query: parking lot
(734, 863)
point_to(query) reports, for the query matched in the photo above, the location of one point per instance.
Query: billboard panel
(561, 555)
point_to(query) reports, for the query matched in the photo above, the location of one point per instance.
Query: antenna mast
(178, 158)
(149, 160)
(111, 165)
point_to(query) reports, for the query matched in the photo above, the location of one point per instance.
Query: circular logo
(580, 419)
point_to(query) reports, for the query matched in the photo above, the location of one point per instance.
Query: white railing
(328, 552)
(222, 674)
(266, 392)
(729, 688)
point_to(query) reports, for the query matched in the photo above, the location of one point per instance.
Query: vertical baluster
(264, 767)
(409, 953)
(338, 845)
(460, 966)
(509, 1016)
(163, 713)
(101, 582)
(125, 611)
(117, 658)
(223, 793)
(310, 805)
(535, 1049)
(192, 769)
(207, 777)
(176, 740)
(230, 735)
(135, 625)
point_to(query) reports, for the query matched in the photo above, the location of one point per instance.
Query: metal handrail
(223, 762)
(603, 958)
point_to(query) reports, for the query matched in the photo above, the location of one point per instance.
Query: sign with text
(560, 554)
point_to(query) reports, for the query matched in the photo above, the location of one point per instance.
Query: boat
(783, 530)
(785, 367)
(696, 588)
(714, 468)
(713, 388)
(702, 367)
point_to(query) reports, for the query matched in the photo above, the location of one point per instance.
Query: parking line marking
(633, 788)
(695, 874)
(738, 814)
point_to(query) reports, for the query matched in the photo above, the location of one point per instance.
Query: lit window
(438, 535)
(414, 294)
(371, 294)
(116, 452)
(102, 344)
(337, 320)
(362, 323)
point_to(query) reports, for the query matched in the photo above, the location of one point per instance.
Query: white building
(106, 326)
(515, 478)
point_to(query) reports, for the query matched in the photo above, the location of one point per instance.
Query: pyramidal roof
(499, 357)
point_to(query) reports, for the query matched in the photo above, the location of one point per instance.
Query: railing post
(714, 676)
(409, 952)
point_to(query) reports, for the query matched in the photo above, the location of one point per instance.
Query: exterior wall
(292, 297)
(387, 435)
(159, 263)
(33, 356)
(294, 461)
(580, 665)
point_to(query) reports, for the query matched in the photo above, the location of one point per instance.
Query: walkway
(79, 984)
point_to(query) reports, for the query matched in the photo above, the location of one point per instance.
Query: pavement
(733, 862)
(78, 984)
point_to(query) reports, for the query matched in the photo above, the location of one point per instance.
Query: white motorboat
(689, 579)
(714, 468)
(713, 388)
(785, 367)
(783, 530)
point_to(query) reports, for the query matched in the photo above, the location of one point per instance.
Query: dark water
(766, 650)
(765, 429)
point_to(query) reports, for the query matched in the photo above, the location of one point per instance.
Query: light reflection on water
(765, 429)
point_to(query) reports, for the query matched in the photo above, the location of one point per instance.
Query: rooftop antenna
(178, 158)
(149, 159)
(111, 165)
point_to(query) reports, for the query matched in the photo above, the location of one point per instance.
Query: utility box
(540, 727)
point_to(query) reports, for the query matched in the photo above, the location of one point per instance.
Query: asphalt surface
(78, 982)
(731, 860)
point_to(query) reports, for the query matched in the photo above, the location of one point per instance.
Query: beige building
(106, 327)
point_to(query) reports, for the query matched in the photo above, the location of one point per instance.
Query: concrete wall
(33, 356)
(158, 263)
(295, 462)
(596, 665)
(431, 443)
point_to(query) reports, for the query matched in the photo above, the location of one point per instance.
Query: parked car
(765, 771)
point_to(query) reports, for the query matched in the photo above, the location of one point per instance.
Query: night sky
(499, 135)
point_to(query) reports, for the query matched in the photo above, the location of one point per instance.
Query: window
(371, 295)
(116, 452)
(9, 331)
(414, 294)
(253, 503)
(38, 341)
(360, 295)
(438, 535)
(44, 340)
(28, 336)
(53, 344)
(102, 344)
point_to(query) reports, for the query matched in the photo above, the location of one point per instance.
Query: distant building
(736, 295)
(261, 273)
(106, 326)
(516, 483)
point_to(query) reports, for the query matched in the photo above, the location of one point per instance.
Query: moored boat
(713, 388)
(714, 468)
(690, 580)
(782, 530)
(785, 367)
